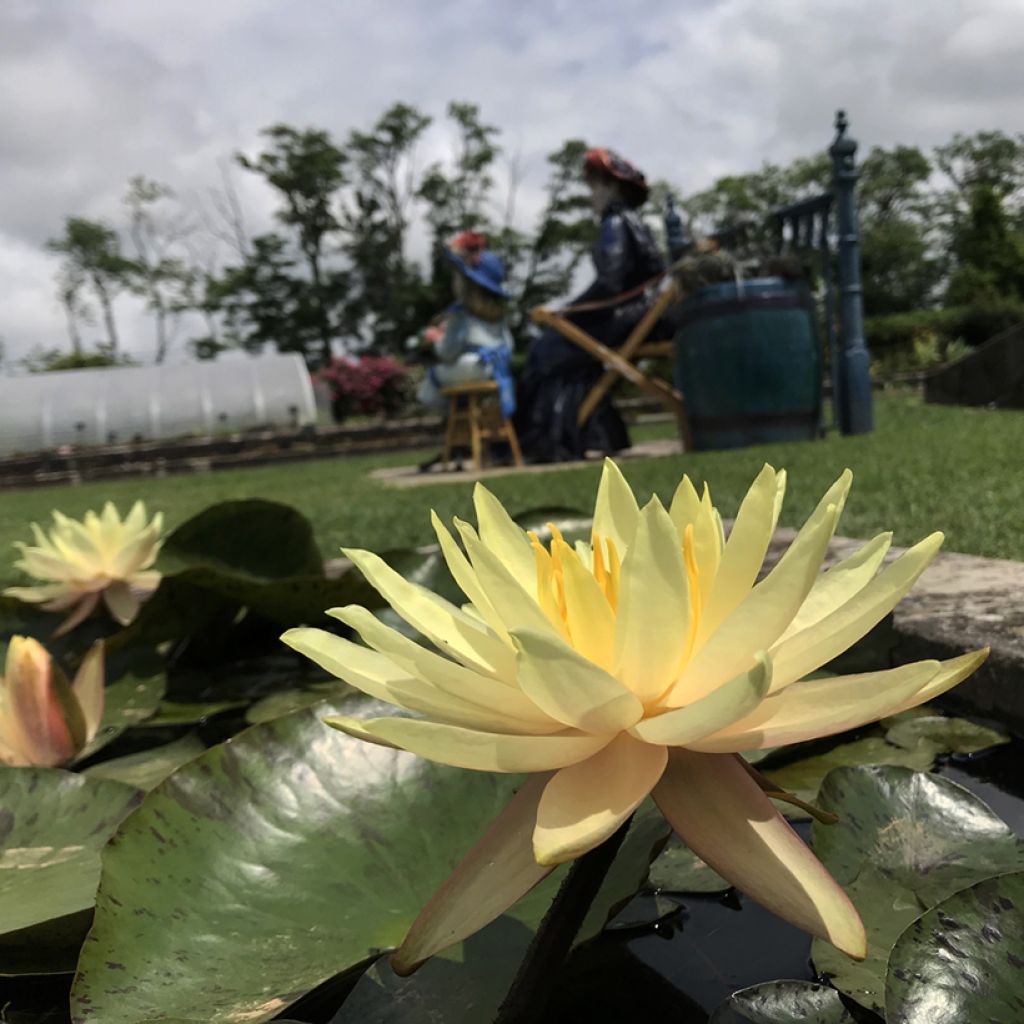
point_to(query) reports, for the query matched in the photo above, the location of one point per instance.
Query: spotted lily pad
(149, 767)
(904, 842)
(128, 702)
(944, 735)
(53, 825)
(963, 959)
(679, 869)
(783, 1002)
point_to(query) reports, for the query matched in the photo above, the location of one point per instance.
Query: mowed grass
(924, 468)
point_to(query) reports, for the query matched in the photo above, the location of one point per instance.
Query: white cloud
(97, 92)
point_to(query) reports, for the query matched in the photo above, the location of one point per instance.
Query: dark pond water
(688, 963)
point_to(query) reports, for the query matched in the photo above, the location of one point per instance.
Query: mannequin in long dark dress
(558, 374)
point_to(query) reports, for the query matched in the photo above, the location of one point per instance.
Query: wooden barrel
(749, 364)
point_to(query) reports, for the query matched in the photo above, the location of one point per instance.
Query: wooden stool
(474, 416)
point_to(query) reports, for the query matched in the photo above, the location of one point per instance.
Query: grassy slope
(924, 468)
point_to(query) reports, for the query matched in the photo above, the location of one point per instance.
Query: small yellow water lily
(101, 557)
(639, 663)
(45, 720)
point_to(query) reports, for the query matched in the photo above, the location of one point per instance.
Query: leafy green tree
(988, 159)
(159, 274)
(92, 256)
(388, 299)
(307, 170)
(989, 254)
(267, 300)
(544, 265)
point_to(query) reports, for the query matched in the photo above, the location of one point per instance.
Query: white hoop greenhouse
(126, 404)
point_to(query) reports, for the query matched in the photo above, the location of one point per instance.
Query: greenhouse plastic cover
(125, 404)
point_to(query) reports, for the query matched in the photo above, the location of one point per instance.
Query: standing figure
(558, 374)
(472, 341)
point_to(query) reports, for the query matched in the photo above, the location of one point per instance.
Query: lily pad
(267, 865)
(944, 735)
(53, 825)
(189, 713)
(783, 1002)
(276, 705)
(263, 539)
(679, 869)
(904, 842)
(962, 960)
(128, 702)
(150, 767)
(803, 778)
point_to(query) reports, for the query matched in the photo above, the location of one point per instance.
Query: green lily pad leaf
(679, 869)
(319, 849)
(128, 702)
(258, 538)
(783, 1002)
(962, 960)
(150, 767)
(904, 842)
(187, 601)
(803, 778)
(276, 705)
(945, 735)
(53, 825)
(189, 713)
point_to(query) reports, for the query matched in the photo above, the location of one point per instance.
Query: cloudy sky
(95, 91)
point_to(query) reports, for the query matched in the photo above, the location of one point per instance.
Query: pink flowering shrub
(366, 385)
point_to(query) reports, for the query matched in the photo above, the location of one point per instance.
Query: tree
(266, 300)
(564, 234)
(899, 243)
(307, 169)
(92, 255)
(158, 273)
(70, 281)
(989, 159)
(387, 297)
(988, 253)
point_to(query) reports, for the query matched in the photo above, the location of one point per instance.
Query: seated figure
(558, 374)
(472, 341)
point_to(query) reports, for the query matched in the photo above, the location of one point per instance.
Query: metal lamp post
(853, 399)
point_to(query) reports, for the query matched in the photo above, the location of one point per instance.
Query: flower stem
(531, 988)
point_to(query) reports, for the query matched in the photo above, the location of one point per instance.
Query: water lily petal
(760, 619)
(744, 550)
(121, 602)
(89, 690)
(652, 625)
(837, 586)
(85, 607)
(146, 581)
(589, 617)
(377, 675)
(585, 803)
(689, 509)
(516, 607)
(811, 648)
(500, 533)
(44, 592)
(568, 687)
(813, 708)
(449, 628)
(471, 748)
(44, 565)
(465, 577)
(952, 672)
(496, 872)
(486, 692)
(616, 512)
(43, 720)
(720, 812)
(717, 710)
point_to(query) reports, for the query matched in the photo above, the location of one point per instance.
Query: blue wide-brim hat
(487, 270)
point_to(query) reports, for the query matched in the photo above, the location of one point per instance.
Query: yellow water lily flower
(44, 719)
(639, 663)
(101, 557)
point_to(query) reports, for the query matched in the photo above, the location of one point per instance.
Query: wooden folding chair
(620, 364)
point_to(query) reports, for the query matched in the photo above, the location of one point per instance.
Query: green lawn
(924, 468)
